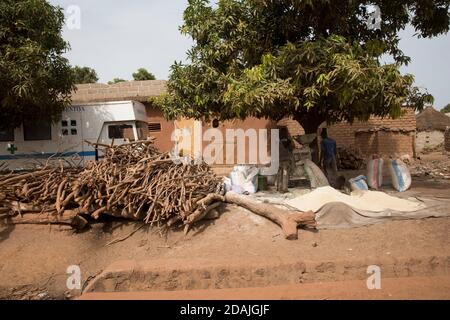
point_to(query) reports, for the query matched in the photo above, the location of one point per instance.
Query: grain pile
(133, 181)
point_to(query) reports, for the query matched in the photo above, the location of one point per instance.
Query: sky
(118, 37)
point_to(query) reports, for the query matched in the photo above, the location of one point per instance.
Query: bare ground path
(431, 288)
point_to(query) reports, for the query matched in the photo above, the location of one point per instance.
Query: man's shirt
(328, 147)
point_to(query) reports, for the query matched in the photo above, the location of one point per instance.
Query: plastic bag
(401, 177)
(244, 179)
(359, 183)
(315, 175)
(237, 178)
(228, 184)
(375, 173)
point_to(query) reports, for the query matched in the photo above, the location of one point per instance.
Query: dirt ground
(34, 259)
(432, 288)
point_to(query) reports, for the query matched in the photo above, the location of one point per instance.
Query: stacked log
(133, 181)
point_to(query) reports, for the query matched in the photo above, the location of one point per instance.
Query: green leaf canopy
(313, 60)
(84, 75)
(35, 79)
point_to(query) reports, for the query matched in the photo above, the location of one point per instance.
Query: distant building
(431, 126)
(158, 126)
(140, 91)
(385, 137)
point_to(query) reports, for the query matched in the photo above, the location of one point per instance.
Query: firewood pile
(350, 158)
(133, 181)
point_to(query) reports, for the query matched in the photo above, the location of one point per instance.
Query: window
(154, 127)
(33, 131)
(117, 131)
(7, 135)
(66, 129)
(215, 123)
(114, 132)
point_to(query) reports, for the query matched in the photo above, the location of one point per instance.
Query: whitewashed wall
(428, 139)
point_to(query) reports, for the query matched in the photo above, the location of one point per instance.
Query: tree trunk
(310, 121)
(68, 217)
(289, 222)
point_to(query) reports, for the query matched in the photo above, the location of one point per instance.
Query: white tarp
(372, 201)
(339, 215)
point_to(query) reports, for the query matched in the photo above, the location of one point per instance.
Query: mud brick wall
(294, 128)
(344, 133)
(130, 90)
(385, 143)
(386, 137)
(429, 139)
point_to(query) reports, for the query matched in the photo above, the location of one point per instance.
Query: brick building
(140, 91)
(381, 136)
(386, 137)
(158, 126)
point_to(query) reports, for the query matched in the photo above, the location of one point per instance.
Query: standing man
(328, 156)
